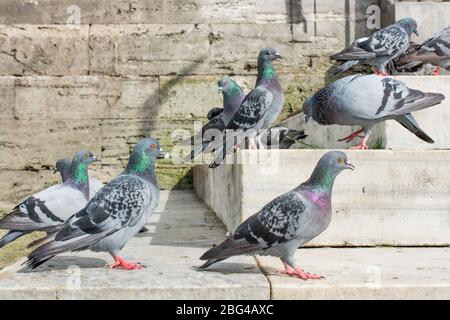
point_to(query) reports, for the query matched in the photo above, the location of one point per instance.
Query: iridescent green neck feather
(322, 180)
(140, 163)
(80, 174)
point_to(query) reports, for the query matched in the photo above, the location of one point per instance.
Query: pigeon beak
(277, 56)
(349, 166)
(416, 32)
(55, 171)
(94, 159)
(307, 118)
(163, 155)
(220, 89)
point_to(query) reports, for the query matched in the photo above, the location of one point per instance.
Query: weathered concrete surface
(369, 273)
(181, 229)
(176, 11)
(431, 16)
(44, 50)
(393, 197)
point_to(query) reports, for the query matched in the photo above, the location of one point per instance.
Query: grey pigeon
(434, 50)
(366, 101)
(218, 118)
(288, 221)
(116, 213)
(214, 112)
(63, 167)
(48, 209)
(378, 49)
(258, 111)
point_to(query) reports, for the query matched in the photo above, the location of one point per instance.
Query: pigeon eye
(341, 160)
(85, 156)
(153, 146)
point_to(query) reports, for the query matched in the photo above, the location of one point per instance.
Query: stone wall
(101, 74)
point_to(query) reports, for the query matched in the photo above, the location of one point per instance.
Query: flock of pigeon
(81, 213)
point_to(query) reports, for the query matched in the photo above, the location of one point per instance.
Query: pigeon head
(63, 167)
(409, 24)
(78, 168)
(143, 157)
(335, 161)
(308, 108)
(268, 55)
(265, 70)
(232, 97)
(329, 166)
(228, 87)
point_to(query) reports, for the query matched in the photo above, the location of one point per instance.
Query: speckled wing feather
(119, 204)
(277, 222)
(438, 43)
(386, 42)
(252, 109)
(250, 115)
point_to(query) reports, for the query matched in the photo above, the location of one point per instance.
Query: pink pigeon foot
(299, 273)
(361, 146)
(352, 136)
(119, 263)
(437, 72)
(380, 73)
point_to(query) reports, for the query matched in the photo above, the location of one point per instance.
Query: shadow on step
(64, 262)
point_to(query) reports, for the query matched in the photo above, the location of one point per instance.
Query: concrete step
(183, 228)
(433, 121)
(392, 198)
(365, 273)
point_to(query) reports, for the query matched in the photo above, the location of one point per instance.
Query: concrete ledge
(180, 231)
(370, 273)
(392, 198)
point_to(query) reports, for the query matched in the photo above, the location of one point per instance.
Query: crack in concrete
(266, 275)
(13, 55)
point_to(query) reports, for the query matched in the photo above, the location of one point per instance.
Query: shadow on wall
(168, 177)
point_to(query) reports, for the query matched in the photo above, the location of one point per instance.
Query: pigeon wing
(253, 108)
(277, 222)
(383, 97)
(46, 209)
(119, 204)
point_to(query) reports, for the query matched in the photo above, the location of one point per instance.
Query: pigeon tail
(344, 67)
(410, 123)
(209, 262)
(11, 236)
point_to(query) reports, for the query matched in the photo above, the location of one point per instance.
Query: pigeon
(116, 213)
(63, 167)
(434, 50)
(258, 110)
(215, 112)
(288, 221)
(47, 210)
(367, 100)
(379, 49)
(218, 118)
